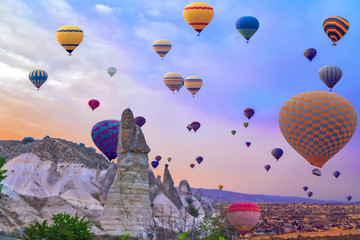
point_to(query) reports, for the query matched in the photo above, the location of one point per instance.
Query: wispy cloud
(102, 8)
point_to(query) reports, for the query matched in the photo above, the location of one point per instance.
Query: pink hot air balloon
(195, 126)
(243, 216)
(93, 103)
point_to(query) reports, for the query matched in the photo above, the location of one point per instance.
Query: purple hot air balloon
(140, 121)
(154, 164)
(249, 112)
(277, 153)
(305, 188)
(189, 127)
(105, 136)
(199, 159)
(336, 174)
(349, 198)
(158, 158)
(310, 53)
(309, 194)
(248, 144)
(267, 167)
(195, 126)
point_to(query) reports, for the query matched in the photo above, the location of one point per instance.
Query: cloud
(103, 8)
(154, 12)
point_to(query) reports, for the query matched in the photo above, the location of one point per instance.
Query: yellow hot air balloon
(198, 15)
(173, 80)
(69, 37)
(193, 84)
(220, 187)
(162, 47)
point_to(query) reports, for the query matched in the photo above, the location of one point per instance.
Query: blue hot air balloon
(248, 144)
(154, 164)
(38, 77)
(336, 174)
(305, 188)
(267, 167)
(140, 121)
(247, 26)
(277, 153)
(105, 136)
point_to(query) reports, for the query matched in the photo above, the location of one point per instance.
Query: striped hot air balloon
(173, 80)
(111, 71)
(330, 75)
(317, 125)
(69, 37)
(105, 136)
(243, 216)
(193, 84)
(198, 15)
(247, 26)
(38, 77)
(335, 27)
(162, 47)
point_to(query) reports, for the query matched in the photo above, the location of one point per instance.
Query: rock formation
(205, 203)
(107, 181)
(169, 189)
(187, 198)
(128, 208)
(154, 185)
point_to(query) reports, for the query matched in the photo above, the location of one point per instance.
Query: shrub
(28, 140)
(2, 172)
(189, 200)
(92, 149)
(193, 211)
(81, 144)
(46, 137)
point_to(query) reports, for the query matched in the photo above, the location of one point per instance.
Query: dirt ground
(310, 234)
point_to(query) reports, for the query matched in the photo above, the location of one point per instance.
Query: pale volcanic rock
(169, 189)
(205, 203)
(154, 186)
(186, 193)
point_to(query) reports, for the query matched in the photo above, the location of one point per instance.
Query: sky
(262, 74)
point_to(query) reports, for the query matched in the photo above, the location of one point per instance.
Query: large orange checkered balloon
(317, 125)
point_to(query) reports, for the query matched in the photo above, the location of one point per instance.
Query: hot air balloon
(247, 26)
(199, 159)
(198, 15)
(249, 112)
(154, 164)
(162, 47)
(336, 174)
(38, 77)
(309, 194)
(267, 167)
(105, 136)
(195, 126)
(335, 27)
(182, 84)
(93, 103)
(246, 124)
(69, 37)
(192, 165)
(193, 84)
(305, 188)
(111, 71)
(330, 75)
(140, 121)
(243, 216)
(277, 153)
(248, 144)
(169, 159)
(349, 198)
(189, 127)
(220, 187)
(317, 125)
(233, 132)
(173, 80)
(158, 158)
(310, 53)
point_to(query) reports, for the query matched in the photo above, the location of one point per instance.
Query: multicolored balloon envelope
(247, 26)
(38, 77)
(169, 159)
(309, 194)
(277, 153)
(189, 127)
(192, 165)
(305, 188)
(162, 47)
(93, 103)
(69, 37)
(158, 158)
(249, 112)
(154, 164)
(248, 144)
(111, 71)
(336, 174)
(199, 159)
(195, 126)
(140, 121)
(243, 216)
(220, 187)
(349, 198)
(317, 125)
(198, 15)
(267, 167)
(310, 53)
(105, 136)
(173, 81)
(193, 84)
(330, 75)
(335, 27)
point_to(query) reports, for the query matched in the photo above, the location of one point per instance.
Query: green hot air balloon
(233, 132)
(246, 124)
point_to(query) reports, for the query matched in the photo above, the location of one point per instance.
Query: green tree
(2, 172)
(64, 227)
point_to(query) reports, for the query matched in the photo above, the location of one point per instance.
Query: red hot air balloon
(195, 126)
(154, 164)
(309, 194)
(199, 159)
(192, 165)
(249, 112)
(243, 216)
(93, 103)
(158, 158)
(140, 121)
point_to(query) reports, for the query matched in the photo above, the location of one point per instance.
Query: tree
(2, 172)
(64, 227)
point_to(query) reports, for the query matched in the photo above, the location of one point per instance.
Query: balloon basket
(334, 44)
(247, 41)
(198, 34)
(69, 54)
